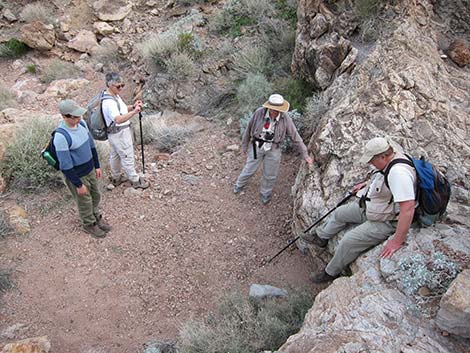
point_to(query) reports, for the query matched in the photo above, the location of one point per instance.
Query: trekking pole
(142, 142)
(313, 225)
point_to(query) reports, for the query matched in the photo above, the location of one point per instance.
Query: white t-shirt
(402, 183)
(111, 110)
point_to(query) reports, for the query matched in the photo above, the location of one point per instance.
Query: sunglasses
(72, 116)
(119, 86)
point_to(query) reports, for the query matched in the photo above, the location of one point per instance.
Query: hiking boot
(303, 245)
(119, 180)
(140, 184)
(265, 199)
(320, 242)
(322, 277)
(103, 225)
(94, 231)
(237, 189)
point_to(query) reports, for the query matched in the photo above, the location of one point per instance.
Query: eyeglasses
(119, 86)
(72, 116)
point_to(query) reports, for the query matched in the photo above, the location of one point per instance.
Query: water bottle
(49, 159)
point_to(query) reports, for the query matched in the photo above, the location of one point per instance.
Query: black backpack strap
(64, 132)
(392, 163)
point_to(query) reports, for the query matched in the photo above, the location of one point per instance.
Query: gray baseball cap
(69, 107)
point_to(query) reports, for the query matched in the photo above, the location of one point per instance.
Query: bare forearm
(125, 117)
(407, 210)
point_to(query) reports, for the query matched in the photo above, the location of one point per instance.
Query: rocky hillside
(409, 79)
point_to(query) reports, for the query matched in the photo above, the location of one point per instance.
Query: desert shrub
(287, 10)
(295, 92)
(23, 167)
(435, 273)
(180, 66)
(37, 12)
(7, 100)
(189, 44)
(158, 49)
(253, 91)
(246, 325)
(58, 69)
(163, 136)
(244, 122)
(367, 9)
(315, 107)
(252, 60)
(31, 68)
(12, 49)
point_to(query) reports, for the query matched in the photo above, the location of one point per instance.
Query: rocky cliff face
(402, 85)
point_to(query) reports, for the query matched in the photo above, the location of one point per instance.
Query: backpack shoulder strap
(64, 132)
(407, 161)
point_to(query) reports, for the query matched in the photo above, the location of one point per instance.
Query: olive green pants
(87, 204)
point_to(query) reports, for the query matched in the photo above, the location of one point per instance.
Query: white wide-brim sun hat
(277, 102)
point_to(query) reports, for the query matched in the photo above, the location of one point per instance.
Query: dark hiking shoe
(265, 199)
(320, 242)
(94, 231)
(140, 184)
(103, 225)
(237, 189)
(119, 180)
(322, 277)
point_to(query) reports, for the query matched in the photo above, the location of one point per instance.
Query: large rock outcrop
(403, 86)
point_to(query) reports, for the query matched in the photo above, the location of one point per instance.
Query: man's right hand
(82, 190)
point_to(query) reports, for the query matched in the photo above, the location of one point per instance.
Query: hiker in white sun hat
(383, 210)
(266, 131)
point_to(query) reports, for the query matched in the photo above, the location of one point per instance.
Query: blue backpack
(433, 189)
(49, 153)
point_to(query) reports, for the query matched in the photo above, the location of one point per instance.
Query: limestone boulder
(454, 311)
(84, 42)
(64, 88)
(103, 28)
(30, 345)
(107, 10)
(38, 35)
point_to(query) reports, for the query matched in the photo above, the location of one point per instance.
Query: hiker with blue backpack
(117, 115)
(78, 160)
(385, 207)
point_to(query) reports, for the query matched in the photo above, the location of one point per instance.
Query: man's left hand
(99, 174)
(390, 247)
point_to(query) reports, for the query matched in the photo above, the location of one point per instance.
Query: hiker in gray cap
(266, 131)
(78, 160)
(117, 115)
(383, 212)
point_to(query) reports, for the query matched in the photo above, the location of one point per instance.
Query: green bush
(245, 325)
(7, 100)
(180, 66)
(57, 70)
(158, 49)
(37, 12)
(252, 92)
(252, 60)
(23, 167)
(287, 11)
(31, 68)
(12, 49)
(295, 92)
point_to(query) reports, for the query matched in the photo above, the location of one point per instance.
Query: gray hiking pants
(357, 240)
(121, 156)
(271, 160)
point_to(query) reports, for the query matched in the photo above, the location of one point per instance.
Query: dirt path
(175, 251)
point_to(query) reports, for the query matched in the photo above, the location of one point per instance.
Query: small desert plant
(435, 273)
(180, 66)
(31, 68)
(252, 60)
(253, 91)
(12, 49)
(7, 100)
(23, 167)
(37, 12)
(5, 228)
(315, 107)
(189, 44)
(246, 325)
(58, 69)
(295, 92)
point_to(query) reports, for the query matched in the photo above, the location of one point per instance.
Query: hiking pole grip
(142, 142)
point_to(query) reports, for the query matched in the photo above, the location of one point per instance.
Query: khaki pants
(121, 156)
(87, 204)
(271, 160)
(357, 240)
